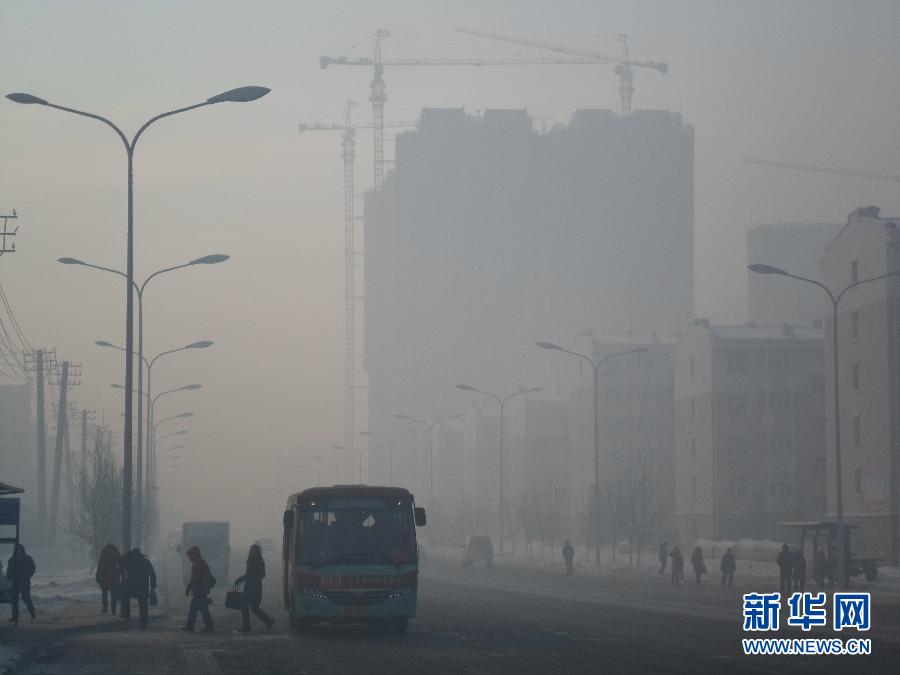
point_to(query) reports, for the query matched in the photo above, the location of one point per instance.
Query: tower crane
(377, 87)
(348, 153)
(623, 67)
(801, 166)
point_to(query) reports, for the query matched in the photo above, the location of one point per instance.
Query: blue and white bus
(350, 555)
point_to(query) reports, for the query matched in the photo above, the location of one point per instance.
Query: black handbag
(235, 598)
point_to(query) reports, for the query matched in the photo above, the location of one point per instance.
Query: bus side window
(288, 523)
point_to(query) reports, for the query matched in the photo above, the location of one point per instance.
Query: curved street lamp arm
(823, 286)
(581, 356)
(96, 117)
(170, 351)
(612, 356)
(154, 119)
(860, 283)
(158, 272)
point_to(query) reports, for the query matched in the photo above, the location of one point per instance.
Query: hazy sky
(808, 81)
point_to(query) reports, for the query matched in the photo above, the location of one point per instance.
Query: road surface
(469, 621)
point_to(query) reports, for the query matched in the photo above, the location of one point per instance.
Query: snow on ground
(54, 588)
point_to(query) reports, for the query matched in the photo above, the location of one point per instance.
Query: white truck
(212, 539)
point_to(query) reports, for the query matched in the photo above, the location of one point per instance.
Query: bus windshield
(361, 530)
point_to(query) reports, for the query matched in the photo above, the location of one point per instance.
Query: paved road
(474, 621)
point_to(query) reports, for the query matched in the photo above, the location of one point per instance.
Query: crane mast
(348, 154)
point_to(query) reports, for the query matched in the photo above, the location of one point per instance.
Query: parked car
(479, 550)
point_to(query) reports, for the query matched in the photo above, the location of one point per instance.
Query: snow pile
(51, 589)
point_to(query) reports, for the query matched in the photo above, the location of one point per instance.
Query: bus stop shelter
(9, 526)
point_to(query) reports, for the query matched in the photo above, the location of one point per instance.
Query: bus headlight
(314, 593)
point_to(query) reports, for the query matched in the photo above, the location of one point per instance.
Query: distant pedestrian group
(568, 553)
(123, 578)
(791, 570)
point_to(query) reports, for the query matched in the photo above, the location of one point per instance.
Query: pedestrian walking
(252, 580)
(698, 564)
(198, 588)
(569, 557)
(798, 571)
(138, 582)
(108, 577)
(663, 556)
(820, 568)
(677, 565)
(19, 570)
(728, 566)
(785, 566)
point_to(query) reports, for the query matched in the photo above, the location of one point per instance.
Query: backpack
(212, 581)
(28, 567)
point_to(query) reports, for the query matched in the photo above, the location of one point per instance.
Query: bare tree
(96, 516)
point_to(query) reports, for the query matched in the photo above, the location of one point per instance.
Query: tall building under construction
(489, 235)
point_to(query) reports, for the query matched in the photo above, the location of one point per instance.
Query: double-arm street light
(501, 401)
(835, 302)
(389, 441)
(329, 462)
(201, 344)
(167, 450)
(430, 426)
(359, 454)
(239, 95)
(151, 428)
(596, 366)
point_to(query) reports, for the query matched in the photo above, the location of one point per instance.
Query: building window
(779, 402)
(856, 377)
(736, 363)
(692, 407)
(642, 361)
(776, 488)
(818, 426)
(692, 367)
(738, 449)
(693, 449)
(854, 271)
(854, 325)
(693, 489)
(819, 468)
(737, 404)
(857, 430)
(857, 481)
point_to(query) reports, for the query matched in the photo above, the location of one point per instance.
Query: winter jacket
(25, 569)
(201, 577)
(727, 566)
(138, 575)
(253, 581)
(108, 568)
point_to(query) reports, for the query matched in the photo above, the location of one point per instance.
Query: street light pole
(142, 360)
(839, 487)
(430, 427)
(502, 403)
(595, 365)
(239, 95)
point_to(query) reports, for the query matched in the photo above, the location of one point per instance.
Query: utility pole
(6, 233)
(62, 422)
(41, 362)
(85, 415)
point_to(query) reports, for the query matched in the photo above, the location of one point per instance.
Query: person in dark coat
(252, 580)
(19, 570)
(108, 576)
(568, 553)
(677, 565)
(138, 582)
(198, 588)
(728, 566)
(697, 563)
(663, 556)
(785, 566)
